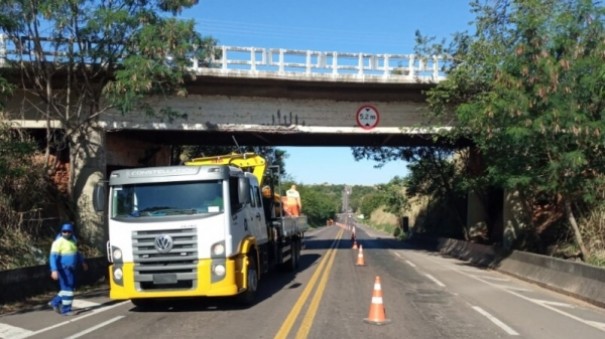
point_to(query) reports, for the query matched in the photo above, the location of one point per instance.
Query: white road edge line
(552, 303)
(94, 328)
(597, 324)
(78, 318)
(435, 280)
(401, 257)
(495, 320)
(518, 295)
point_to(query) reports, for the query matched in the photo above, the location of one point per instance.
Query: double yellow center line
(307, 320)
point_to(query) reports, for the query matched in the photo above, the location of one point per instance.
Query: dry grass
(383, 221)
(592, 229)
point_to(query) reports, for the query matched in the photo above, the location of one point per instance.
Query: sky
(356, 26)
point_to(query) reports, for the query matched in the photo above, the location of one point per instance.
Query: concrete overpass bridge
(283, 97)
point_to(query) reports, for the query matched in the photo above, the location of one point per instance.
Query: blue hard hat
(67, 227)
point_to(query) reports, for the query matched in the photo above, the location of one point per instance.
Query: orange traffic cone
(355, 244)
(360, 261)
(377, 314)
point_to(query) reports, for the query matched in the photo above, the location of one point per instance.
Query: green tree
(395, 198)
(371, 202)
(528, 89)
(357, 194)
(318, 207)
(78, 59)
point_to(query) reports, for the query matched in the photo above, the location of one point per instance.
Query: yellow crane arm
(249, 162)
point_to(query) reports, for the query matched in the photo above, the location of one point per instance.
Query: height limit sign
(367, 117)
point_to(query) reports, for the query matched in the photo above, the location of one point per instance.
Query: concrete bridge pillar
(476, 215)
(515, 218)
(88, 163)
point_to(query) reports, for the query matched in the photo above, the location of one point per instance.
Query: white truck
(203, 229)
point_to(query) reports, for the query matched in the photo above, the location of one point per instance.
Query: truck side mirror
(98, 197)
(243, 190)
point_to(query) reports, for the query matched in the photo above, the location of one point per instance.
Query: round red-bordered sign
(367, 117)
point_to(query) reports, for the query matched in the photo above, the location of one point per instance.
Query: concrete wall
(579, 280)
(22, 283)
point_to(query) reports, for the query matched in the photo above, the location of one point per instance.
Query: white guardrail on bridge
(287, 63)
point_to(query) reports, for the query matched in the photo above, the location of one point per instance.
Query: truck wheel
(294, 261)
(248, 297)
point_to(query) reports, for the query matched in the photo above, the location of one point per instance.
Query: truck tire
(294, 262)
(248, 298)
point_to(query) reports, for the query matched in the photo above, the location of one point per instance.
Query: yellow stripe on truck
(204, 288)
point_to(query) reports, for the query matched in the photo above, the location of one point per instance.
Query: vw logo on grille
(163, 243)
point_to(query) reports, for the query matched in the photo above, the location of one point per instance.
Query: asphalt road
(424, 295)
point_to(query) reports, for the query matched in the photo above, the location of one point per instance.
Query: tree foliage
(528, 88)
(395, 198)
(81, 58)
(74, 60)
(320, 202)
(371, 202)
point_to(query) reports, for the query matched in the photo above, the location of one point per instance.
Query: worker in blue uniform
(64, 260)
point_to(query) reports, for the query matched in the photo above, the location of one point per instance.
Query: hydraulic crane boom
(249, 162)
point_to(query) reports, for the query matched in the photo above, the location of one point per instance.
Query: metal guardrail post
(2, 49)
(224, 58)
(360, 65)
(435, 67)
(386, 66)
(252, 60)
(334, 63)
(411, 68)
(281, 66)
(308, 63)
(195, 64)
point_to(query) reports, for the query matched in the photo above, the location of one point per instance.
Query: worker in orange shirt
(294, 203)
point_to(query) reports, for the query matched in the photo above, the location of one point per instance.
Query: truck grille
(165, 259)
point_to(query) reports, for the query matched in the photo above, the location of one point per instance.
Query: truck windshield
(167, 199)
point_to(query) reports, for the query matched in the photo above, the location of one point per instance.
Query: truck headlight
(117, 254)
(118, 274)
(218, 249)
(219, 270)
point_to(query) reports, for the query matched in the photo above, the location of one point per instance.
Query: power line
(220, 28)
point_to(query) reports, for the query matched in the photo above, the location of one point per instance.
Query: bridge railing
(285, 63)
(309, 63)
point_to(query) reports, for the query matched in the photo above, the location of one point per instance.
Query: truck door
(257, 215)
